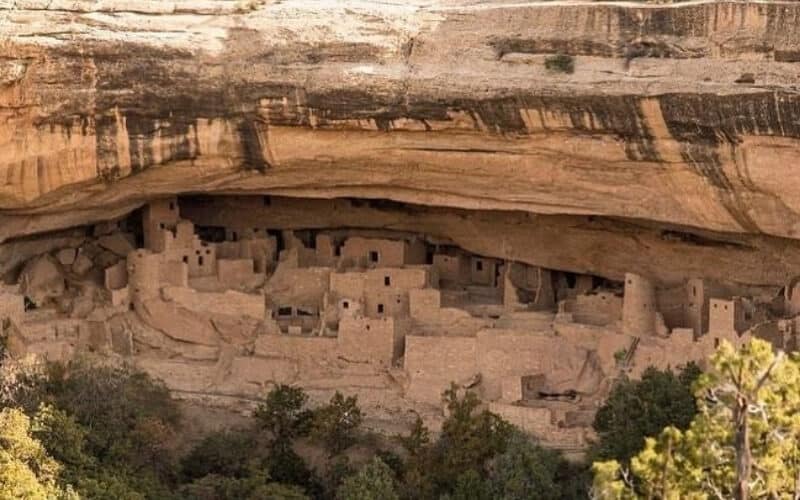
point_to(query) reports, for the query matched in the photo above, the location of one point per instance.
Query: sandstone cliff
(675, 133)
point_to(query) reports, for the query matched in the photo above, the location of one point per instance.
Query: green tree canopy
(284, 414)
(742, 443)
(525, 470)
(374, 481)
(110, 426)
(336, 424)
(26, 469)
(636, 409)
(469, 440)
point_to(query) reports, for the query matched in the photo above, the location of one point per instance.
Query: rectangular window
(387, 280)
(284, 311)
(479, 265)
(380, 308)
(373, 256)
(267, 201)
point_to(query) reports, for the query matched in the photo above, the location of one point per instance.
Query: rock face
(682, 114)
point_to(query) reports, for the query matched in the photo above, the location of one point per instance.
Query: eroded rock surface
(443, 103)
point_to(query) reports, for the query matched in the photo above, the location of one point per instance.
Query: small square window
(373, 256)
(186, 259)
(479, 265)
(387, 280)
(380, 308)
(345, 305)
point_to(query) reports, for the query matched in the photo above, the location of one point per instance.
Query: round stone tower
(639, 306)
(143, 275)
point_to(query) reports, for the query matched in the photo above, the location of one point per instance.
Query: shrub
(335, 425)
(374, 481)
(253, 487)
(563, 63)
(231, 453)
(286, 466)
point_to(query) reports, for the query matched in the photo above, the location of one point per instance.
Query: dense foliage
(26, 468)
(636, 409)
(375, 481)
(742, 443)
(111, 428)
(111, 432)
(479, 456)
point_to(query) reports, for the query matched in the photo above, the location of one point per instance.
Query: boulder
(178, 323)
(66, 256)
(82, 264)
(118, 243)
(42, 279)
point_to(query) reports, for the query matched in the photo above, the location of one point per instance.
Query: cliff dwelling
(527, 199)
(223, 296)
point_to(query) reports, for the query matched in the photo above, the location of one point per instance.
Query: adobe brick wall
(433, 362)
(502, 354)
(235, 272)
(390, 253)
(116, 276)
(368, 340)
(603, 308)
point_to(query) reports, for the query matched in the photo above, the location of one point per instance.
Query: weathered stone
(42, 279)
(66, 256)
(82, 264)
(117, 243)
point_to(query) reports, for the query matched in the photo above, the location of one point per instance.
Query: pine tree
(743, 442)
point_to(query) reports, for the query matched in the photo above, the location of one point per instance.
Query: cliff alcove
(527, 198)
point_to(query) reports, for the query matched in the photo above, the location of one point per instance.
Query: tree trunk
(742, 443)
